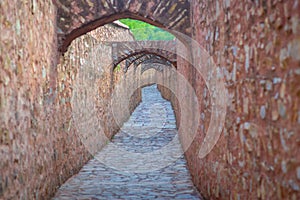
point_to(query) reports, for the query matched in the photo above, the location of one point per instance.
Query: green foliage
(144, 31)
(117, 68)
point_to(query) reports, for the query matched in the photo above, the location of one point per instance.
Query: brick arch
(156, 66)
(145, 59)
(157, 60)
(77, 17)
(134, 51)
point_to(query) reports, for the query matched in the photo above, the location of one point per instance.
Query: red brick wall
(39, 142)
(29, 121)
(256, 44)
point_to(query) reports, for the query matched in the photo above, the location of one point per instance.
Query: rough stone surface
(255, 45)
(125, 169)
(29, 121)
(39, 143)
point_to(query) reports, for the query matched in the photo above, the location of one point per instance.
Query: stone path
(144, 160)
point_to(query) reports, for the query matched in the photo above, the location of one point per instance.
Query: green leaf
(144, 31)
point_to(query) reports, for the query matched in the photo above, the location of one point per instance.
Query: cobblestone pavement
(143, 161)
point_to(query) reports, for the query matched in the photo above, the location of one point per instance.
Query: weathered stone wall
(89, 117)
(89, 56)
(40, 144)
(170, 96)
(256, 45)
(29, 118)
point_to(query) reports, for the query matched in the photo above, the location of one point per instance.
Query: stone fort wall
(40, 144)
(256, 46)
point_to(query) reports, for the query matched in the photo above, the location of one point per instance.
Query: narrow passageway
(143, 161)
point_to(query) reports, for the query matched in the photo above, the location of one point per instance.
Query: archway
(75, 18)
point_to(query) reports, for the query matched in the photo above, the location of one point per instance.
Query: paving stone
(135, 173)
